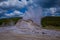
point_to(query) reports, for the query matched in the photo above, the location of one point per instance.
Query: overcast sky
(11, 8)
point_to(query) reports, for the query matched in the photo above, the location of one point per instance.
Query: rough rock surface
(27, 30)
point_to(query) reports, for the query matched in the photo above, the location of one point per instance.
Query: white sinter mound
(29, 27)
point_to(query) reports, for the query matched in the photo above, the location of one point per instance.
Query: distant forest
(51, 22)
(8, 21)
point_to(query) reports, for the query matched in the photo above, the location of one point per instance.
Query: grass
(52, 28)
(51, 22)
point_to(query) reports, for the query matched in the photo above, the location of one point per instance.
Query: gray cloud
(48, 3)
(6, 6)
(2, 0)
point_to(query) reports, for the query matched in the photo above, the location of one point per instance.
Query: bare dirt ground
(26, 30)
(11, 36)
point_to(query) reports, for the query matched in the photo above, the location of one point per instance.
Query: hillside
(51, 22)
(9, 21)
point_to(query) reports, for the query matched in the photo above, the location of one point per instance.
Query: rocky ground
(27, 30)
